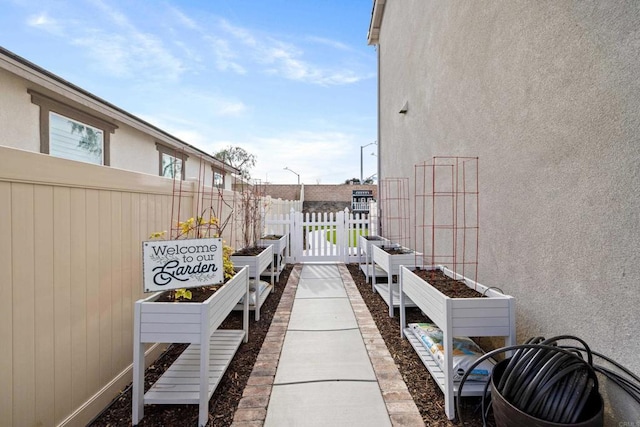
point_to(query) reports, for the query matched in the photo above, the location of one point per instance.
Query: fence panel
(70, 271)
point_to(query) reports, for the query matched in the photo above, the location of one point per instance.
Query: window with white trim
(75, 140)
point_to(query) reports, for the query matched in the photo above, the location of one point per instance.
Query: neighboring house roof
(53, 82)
(376, 21)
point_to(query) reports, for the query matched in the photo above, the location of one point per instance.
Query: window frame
(176, 154)
(48, 105)
(221, 172)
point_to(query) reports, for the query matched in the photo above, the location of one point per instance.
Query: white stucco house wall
(43, 113)
(547, 95)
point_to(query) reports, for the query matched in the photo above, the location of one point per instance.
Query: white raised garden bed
(365, 243)
(257, 264)
(493, 315)
(279, 247)
(390, 264)
(194, 376)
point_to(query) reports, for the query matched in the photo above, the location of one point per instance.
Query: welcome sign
(189, 263)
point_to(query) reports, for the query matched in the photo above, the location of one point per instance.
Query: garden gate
(317, 237)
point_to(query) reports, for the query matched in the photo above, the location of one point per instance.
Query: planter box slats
(257, 266)
(383, 290)
(193, 377)
(470, 388)
(181, 382)
(279, 246)
(150, 318)
(391, 263)
(493, 315)
(365, 248)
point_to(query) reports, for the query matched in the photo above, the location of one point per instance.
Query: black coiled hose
(549, 381)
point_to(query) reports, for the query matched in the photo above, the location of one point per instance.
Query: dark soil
(373, 238)
(271, 237)
(253, 251)
(425, 392)
(446, 285)
(197, 295)
(395, 250)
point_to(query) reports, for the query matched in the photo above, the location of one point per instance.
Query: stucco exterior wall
(16, 108)
(547, 95)
(133, 150)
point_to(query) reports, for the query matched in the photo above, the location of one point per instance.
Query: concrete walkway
(324, 361)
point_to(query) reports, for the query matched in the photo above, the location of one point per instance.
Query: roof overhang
(376, 21)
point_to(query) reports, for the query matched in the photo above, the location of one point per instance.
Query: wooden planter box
(257, 266)
(493, 315)
(194, 376)
(279, 246)
(365, 245)
(390, 264)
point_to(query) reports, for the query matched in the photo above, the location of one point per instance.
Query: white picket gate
(317, 237)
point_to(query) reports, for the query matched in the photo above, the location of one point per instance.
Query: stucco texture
(16, 107)
(547, 95)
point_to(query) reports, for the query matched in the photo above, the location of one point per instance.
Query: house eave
(376, 22)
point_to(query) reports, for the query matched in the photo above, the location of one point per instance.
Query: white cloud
(184, 19)
(117, 47)
(224, 55)
(282, 59)
(285, 59)
(239, 33)
(132, 54)
(44, 22)
(331, 43)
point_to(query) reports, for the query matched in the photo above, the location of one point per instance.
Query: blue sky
(291, 81)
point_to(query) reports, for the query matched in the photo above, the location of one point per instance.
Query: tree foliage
(239, 158)
(356, 181)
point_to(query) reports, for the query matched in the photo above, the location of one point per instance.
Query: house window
(218, 179)
(171, 166)
(75, 140)
(171, 162)
(70, 133)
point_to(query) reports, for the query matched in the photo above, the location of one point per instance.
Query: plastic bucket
(507, 415)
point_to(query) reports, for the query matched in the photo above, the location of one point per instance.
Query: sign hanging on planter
(174, 264)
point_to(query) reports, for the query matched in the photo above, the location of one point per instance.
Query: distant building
(360, 200)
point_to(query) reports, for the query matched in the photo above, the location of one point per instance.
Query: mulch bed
(225, 399)
(425, 392)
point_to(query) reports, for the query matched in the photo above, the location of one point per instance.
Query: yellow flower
(157, 234)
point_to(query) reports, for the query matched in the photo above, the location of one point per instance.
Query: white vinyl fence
(317, 237)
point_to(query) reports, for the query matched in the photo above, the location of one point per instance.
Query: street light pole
(297, 174)
(361, 148)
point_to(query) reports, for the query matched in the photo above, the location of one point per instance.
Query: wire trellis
(446, 212)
